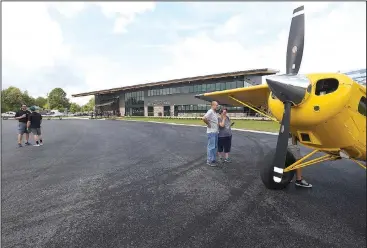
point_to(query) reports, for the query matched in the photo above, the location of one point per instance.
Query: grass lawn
(269, 126)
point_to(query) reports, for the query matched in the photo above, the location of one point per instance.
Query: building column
(158, 109)
(145, 110)
(172, 110)
(122, 111)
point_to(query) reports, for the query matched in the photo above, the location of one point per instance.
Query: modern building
(174, 97)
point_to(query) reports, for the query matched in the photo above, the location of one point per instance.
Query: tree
(11, 99)
(41, 102)
(27, 99)
(89, 106)
(57, 99)
(74, 108)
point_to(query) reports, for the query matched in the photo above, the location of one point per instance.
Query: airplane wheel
(267, 169)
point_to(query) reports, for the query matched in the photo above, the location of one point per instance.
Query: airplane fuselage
(331, 116)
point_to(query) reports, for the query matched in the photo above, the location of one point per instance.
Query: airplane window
(326, 86)
(362, 106)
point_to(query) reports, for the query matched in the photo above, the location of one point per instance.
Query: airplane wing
(254, 95)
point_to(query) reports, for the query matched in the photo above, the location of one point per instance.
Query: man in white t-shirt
(211, 120)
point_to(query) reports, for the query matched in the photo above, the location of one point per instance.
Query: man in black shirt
(34, 124)
(22, 117)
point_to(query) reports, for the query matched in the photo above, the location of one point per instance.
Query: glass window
(234, 84)
(217, 86)
(203, 87)
(191, 107)
(186, 89)
(239, 84)
(195, 88)
(179, 107)
(192, 88)
(199, 88)
(222, 86)
(160, 92)
(362, 106)
(195, 107)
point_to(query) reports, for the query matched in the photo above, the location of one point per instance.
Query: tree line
(13, 97)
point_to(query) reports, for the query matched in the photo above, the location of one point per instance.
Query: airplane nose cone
(286, 92)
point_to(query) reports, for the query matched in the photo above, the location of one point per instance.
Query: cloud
(34, 46)
(205, 38)
(333, 41)
(31, 39)
(123, 13)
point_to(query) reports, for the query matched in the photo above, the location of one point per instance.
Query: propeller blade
(296, 41)
(282, 144)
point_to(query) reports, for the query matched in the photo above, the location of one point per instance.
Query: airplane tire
(266, 171)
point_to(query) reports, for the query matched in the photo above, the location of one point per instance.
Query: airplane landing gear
(267, 171)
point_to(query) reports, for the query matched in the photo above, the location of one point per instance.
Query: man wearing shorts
(294, 148)
(211, 120)
(34, 124)
(224, 136)
(22, 117)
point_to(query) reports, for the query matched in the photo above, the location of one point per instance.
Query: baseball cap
(33, 108)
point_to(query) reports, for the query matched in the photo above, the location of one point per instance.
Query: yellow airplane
(324, 111)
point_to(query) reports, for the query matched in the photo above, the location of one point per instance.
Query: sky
(81, 46)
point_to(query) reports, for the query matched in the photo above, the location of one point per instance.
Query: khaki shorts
(36, 131)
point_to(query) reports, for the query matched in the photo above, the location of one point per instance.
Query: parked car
(8, 115)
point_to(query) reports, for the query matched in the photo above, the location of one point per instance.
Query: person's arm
(40, 119)
(29, 121)
(222, 121)
(205, 118)
(18, 116)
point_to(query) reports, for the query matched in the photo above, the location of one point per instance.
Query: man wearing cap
(34, 124)
(22, 117)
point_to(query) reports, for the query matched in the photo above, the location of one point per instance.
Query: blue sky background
(81, 46)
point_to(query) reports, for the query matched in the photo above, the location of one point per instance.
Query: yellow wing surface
(256, 96)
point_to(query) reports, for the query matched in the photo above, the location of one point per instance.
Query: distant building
(358, 75)
(174, 97)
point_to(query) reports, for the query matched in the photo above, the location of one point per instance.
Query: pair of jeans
(212, 147)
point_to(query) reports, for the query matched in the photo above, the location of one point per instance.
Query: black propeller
(288, 94)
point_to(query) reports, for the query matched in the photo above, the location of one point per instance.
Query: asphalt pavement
(129, 184)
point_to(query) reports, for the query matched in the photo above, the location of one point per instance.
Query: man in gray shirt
(211, 120)
(224, 136)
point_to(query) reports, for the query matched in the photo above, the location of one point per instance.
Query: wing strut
(253, 108)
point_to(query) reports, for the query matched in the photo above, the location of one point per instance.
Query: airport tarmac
(135, 184)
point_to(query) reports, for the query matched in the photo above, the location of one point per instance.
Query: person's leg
(27, 138)
(211, 148)
(216, 146)
(227, 148)
(300, 182)
(39, 136)
(220, 148)
(20, 133)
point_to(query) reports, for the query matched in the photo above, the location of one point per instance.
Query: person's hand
(24, 115)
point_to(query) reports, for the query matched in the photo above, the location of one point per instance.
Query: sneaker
(211, 164)
(303, 183)
(20, 145)
(227, 160)
(41, 144)
(27, 143)
(221, 160)
(36, 145)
